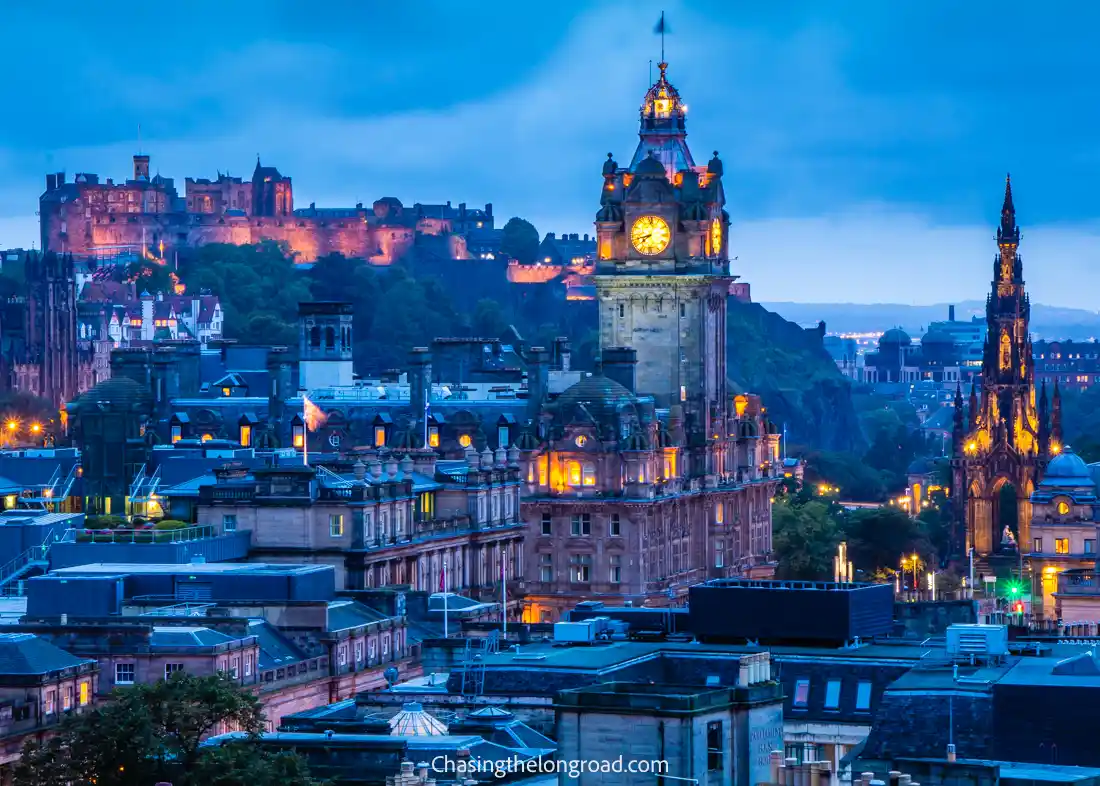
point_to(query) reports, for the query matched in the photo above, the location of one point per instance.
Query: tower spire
(1008, 233)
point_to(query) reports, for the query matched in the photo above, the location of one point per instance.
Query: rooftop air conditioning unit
(979, 641)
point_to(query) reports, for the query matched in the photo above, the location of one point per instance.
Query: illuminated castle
(145, 217)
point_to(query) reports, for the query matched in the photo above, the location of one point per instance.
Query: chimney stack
(620, 364)
(538, 374)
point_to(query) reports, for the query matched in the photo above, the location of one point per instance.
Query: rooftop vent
(977, 641)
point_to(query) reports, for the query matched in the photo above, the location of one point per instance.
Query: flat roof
(582, 657)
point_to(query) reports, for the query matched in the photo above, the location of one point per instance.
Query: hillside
(795, 377)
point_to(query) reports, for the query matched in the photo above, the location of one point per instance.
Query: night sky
(865, 143)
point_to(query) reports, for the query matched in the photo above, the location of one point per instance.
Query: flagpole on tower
(503, 595)
(661, 30)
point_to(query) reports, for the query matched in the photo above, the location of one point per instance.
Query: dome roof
(937, 337)
(595, 397)
(650, 166)
(895, 336)
(118, 393)
(1067, 465)
(413, 721)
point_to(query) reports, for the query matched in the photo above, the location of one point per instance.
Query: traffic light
(1018, 607)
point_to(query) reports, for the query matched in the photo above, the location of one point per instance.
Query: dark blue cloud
(872, 118)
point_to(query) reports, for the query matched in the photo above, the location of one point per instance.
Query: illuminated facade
(146, 217)
(649, 475)
(1008, 437)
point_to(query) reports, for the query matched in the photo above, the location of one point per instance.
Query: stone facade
(147, 217)
(1008, 438)
(650, 475)
(389, 521)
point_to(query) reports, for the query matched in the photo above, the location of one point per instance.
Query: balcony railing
(150, 535)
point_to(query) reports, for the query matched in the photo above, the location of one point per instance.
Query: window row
(580, 568)
(801, 697)
(580, 525)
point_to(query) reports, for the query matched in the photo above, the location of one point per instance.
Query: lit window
(207, 437)
(832, 694)
(543, 473)
(379, 436)
(589, 475)
(177, 433)
(683, 393)
(298, 436)
(1063, 508)
(67, 698)
(433, 436)
(124, 673)
(465, 440)
(227, 391)
(718, 513)
(1061, 545)
(573, 473)
(801, 693)
(336, 525)
(863, 696)
(246, 436)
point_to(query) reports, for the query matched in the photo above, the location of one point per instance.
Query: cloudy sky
(865, 142)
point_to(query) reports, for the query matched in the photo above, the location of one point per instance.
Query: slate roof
(25, 654)
(344, 614)
(275, 649)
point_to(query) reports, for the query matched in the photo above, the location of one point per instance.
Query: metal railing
(16, 567)
(149, 535)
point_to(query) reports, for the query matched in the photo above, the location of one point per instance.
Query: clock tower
(662, 274)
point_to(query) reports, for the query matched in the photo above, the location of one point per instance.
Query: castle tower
(1006, 436)
(324, 345)
(662, 277)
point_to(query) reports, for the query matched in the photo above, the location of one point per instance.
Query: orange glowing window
(299, 437)
(719, 514)
(465, 441)
(433, 436)
(1063, 508)
(207, 437)
(741, 403)
(246, 436)
(379, 436)
(544, 475)
(573, 473)
(227, 391)
(588, 475)
(627, 179)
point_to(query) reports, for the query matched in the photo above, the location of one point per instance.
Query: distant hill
(795, 377)
(1050, 322)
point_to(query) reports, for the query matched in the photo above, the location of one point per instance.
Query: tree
(488, 319)
(879, 537)
(520, 241)
(804, 540)
(152, 733)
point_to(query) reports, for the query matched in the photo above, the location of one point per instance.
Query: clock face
(650, 235)
(716, 237)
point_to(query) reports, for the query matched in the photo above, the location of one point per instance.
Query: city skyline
(865, 152)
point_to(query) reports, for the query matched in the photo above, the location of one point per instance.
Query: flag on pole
(443, 578)
(660, 26)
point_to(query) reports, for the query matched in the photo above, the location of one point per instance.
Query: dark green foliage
(878, 538)
(1081, 421)
(520, 240)
(804, 539)
(259, 287)
(152, 733)
(856, 481)
(793, 374)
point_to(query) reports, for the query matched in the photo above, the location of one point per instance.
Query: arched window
(589, 475)
(1063, 508)
(573, 473)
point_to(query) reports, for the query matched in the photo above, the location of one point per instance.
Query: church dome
(937, 338)
(595, 398)
(1067, 466)
(895, 336)
(119, 393)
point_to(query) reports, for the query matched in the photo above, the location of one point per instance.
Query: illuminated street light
(36, 427)
(12, 425)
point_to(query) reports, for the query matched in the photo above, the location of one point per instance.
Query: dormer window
(433, 436)
(379, 436)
